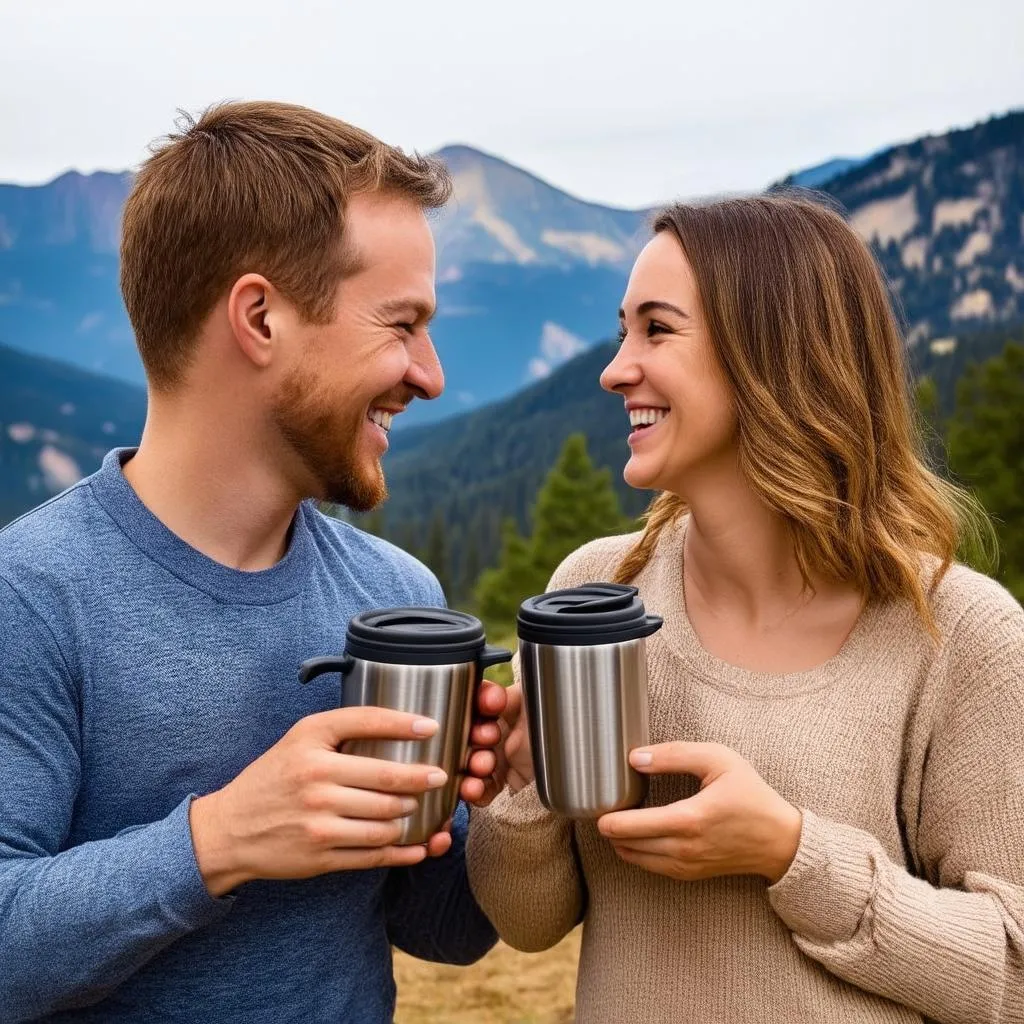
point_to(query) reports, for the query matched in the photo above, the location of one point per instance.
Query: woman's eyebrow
(653, 304)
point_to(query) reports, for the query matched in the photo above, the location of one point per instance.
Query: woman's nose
(622, 371)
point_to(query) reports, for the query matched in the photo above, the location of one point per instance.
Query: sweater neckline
(682, 639)
(277, 583)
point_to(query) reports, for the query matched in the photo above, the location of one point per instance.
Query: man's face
(334, 405)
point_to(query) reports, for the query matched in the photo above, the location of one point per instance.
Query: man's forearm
(78, 923)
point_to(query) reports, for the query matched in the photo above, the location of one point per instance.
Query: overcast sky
(627, 104)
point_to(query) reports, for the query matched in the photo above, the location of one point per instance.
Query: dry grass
(506, 987)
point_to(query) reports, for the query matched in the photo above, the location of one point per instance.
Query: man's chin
(359, 494)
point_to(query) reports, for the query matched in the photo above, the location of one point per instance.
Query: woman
(835, 828)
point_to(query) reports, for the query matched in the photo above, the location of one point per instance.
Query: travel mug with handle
(428, 662)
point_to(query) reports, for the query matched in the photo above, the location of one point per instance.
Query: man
(182, 837)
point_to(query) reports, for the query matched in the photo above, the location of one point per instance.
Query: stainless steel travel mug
(584, 672)
(426, 661)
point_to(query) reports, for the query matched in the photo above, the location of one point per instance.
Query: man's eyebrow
(653, 304)
(423, 310)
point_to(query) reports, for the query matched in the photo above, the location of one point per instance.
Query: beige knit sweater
(906, 898)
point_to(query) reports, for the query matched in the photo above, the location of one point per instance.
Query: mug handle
(493, 656)
(318, 666)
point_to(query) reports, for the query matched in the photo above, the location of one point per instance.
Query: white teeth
(646, 417)
(382, 419)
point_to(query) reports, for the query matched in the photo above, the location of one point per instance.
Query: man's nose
(425, 375)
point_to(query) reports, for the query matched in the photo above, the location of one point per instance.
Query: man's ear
(253, 316)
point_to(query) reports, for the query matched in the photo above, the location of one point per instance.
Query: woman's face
(682, 416)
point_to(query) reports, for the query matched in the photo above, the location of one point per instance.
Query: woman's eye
(654, 327)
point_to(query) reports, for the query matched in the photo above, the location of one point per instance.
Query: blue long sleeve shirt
(136, 673)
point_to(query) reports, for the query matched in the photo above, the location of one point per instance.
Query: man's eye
(406, 327)
(622, 333)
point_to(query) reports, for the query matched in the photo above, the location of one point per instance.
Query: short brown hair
(249, 187)
(802, 326)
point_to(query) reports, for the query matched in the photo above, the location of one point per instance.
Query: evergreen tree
(469, 571)
(930, 421)
(435, 554)
(576, 504)
(501, 590)
(986, 451)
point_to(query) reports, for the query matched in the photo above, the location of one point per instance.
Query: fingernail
(641, 758)
(424, 727)
(435, 779)
(409, 804)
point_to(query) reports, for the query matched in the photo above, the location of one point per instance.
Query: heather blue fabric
(136, 673)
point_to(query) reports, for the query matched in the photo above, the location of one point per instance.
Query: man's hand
(304, 809)
(736, 825)
(503, 746)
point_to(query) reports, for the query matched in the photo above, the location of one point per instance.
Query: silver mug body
(445, 693)
(587, 708)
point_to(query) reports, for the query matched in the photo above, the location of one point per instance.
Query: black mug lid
(415, 636)
(595, 613)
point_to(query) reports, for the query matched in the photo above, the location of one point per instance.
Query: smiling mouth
(645, 418)
(382, 418)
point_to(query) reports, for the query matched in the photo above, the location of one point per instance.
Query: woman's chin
(640, 474)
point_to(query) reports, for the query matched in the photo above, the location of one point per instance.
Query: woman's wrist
(781, 850)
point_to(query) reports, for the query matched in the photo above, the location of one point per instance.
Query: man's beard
(327, 443)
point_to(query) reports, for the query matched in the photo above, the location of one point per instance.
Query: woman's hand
(736, 825)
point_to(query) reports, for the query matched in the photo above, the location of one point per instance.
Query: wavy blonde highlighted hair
(799, 317)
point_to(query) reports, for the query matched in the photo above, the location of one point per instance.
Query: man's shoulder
(374, 558)
(58, 536)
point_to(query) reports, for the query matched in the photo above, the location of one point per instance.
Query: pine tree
(986, 451)
(435, 554)
(501, 590)
(576, 504)
(469, 571)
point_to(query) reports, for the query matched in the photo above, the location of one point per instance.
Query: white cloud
(88, 322)
(466, 398)
(538, 369)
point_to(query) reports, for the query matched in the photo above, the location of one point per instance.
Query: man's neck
(210, 484)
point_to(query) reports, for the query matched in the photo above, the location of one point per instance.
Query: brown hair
(799, 318)
(249, 187)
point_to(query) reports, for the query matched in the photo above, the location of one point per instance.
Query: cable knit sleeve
(949, 944)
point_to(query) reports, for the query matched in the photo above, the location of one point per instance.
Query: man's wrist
(213, 849)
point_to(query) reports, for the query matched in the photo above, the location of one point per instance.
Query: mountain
(56, 423)
(945, 215)
(530, 276)
(479, 468)
(819, 174)
(527, 276)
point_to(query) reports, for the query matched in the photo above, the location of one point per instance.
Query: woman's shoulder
(594, 562)
(965, 601)
(982, 629)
